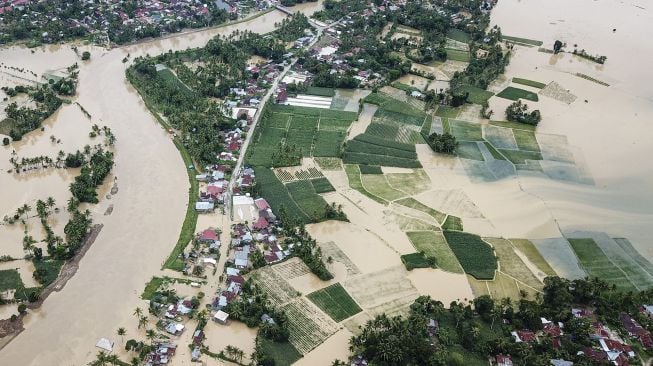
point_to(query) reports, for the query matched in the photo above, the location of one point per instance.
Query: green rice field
(335, 302)
(433, 244)
(513, 93)
(534, 84)
(597, 264)
(475, 256)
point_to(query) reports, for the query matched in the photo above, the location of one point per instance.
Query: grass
(190, 221)
(10, 280)
(495, 153)
(322, 92)
(513, 125)
(475, 256)
(415, 204)
(476, 94)
(335, 302)
(322, 185)
(520, 157)
(513, 93)
(453, 223)
(526, 140)
(597, 264)
(416, 260)
(433, 244)
(530, 42)
(469, 150)
(328, 143)
(458, 35)
(152, 287)
(49, 270)
(385, 143)
(534, 84)
(283, 353)
(466, 131)
(378, 185)
(447, 111)
(457, 55)
(533, 255)
(354, 178)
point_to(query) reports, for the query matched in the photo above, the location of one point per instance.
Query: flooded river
(148, 210)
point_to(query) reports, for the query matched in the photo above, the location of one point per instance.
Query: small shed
(221, 317)
(105, 344)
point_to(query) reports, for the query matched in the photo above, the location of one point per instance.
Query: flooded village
(275, 191)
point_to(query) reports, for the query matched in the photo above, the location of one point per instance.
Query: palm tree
(28, 243)
(50, 202)
(138, 312)
(26, 209)
(121, 332)
(150, 335)
(142, 322)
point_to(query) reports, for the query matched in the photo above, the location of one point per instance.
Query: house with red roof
(503, 360)
(208, 236)
(261, 204)
(261, 223)
(524, 335)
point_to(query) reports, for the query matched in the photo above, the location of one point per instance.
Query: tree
(445, 143)
(518, 112)
(86, 55)
(121, 332)
(5, 141)
(149, 334)
(557, 46)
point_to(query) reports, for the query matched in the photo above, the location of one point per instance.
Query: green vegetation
(513, 125)
(354, 178)
(475, 256)
(21, 120)
(518, 112)
(597, 264)
(469, 150)
(417, 260)
(152, 287)
(433, 245)
(10, 280)
(322, 92)
(457, 55)
(370, 169)
(322, 185)
(513, 93)
(277, 195)
(533, 255)
(445, 143)
(466, 131)
(303, 193)
(413, 183)
(447, 111)
(526, 140)
(46, 271)
(476, 95)
(525, 41)
(520, 157)
(378, 185)
(326, 163)
(415, 204)
(383, 160)
(283, 353)
(453, 223)
(93, 173)
(458, 35)
(367, 149)
(534, 84)
(335, 302)
(495, 153)
(512, 264)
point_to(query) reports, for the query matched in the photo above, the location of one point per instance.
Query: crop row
(367, 148)
(384, 142)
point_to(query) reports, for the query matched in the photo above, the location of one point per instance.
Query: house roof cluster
(161, 354)
(636, 331)
(233, 288)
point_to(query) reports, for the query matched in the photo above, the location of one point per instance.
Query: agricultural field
(278, 290)
(469, 150)
(412, 183)
(526, 140)
(476, 95)
(417, 260)
(322, 185)
(368, 149)
(457, 55)
(533, 255)
(331, 249)
(433, 244)
(277, 195)
(466, 131)
(447, 111)
(370, 169)
(307, 325)
(415, 204)
(458, 35)
(10, 280)
(522, 41)
(475, 256)
(453, 223)
(291, 268)
(318, 132)
(378, 185)
(558, 254)
(335, 302)
(396, 120)
(512, 265)
(329, 164)
(291, 174)
(534, 84)
(284, 354)
(410, 223)
(388, 289)
(500, 287)
(303, 193)
(354, 178)
(513, 93)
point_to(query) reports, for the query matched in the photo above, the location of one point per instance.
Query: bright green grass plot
(413, 183)
(322, 185)
(309, 201)
(433, 244)
(533, 255)
(526, 140)
(379, 186)
(283, 353)
(476, 95)
(453, 223)
(513, 93)
(495, 153)
(416, 260)
(335, 302)
(476, 256)
(597, 264)
(354, 178)
(10, 280)
(457, 55)
(534, 84)
(447, 111)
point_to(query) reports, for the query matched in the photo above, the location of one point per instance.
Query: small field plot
(513, 125)
(434, 245)
(412, 183)
(597, 264)
(417, 260)
(277, 195)
(303, 139)
(512, 265)
(415, 204)
(476, 95)
(335, 302)
(378, 185)
(476, 256)
(457, 55)
(276, 287)
(466, 131)
(309, 201)
(469, 150)
(328, 163)
(330, 124)
(513, 93)
(630, 250)
(322, 185)
(354, 178)
(526, 140)
(534, 84)
(502, 286)
(447, 111)
(290, 269)
(501, 138)
(533, 255)
(388, 289)
(308, 326)
(458, 35)
(370, 169)
(284, 354)
(558, 253)
(10, 280)
(331, 249)
(328, 143)
(408, 223)
(453, 223)
(525, 41)
(521, 157)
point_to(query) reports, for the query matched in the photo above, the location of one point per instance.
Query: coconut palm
(121, 332)
(26, 209)
(150, 335)
(50, 202)
(142, 322)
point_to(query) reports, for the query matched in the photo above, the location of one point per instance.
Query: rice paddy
(433, 244)
(513, 93)
(335, 302)
(415, 204)
(534, 84)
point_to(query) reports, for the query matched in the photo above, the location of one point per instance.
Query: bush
(22, 308)
(86, 55)
(5, 141)
(518, 112)
(445, 143)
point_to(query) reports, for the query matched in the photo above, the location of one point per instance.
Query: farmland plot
(330, 249)
(290, 269)
(322, 185)
(408, 223)
(558, 253)
(511, 264)
(533, 255)
(476, 256)
(308, 326)
(382, 288)
(354, 178)
(335, 302)
(379, 186)
(434, 245)
(277, 195)
(276, 287)
(413, 183)
(308, 200)
(453, 201)
(597, 264)
(415, 204)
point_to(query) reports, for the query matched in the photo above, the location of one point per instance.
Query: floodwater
(148, 210)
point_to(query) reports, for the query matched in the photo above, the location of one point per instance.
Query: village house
(503, 360)
(524, 335)
(161, 354)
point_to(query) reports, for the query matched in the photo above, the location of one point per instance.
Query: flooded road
(148, 210)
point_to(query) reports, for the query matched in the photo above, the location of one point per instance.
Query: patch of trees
(286, 155)
(582, 53)
(295, 2)
(481, 328)
(445, 143)
(333, 212)
(481, 71)
(292, 27)
(92, 175)
(336, 9)
(255, 310)
(518, 112)
(23, 120)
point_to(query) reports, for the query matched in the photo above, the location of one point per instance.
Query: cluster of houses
(161, 354)
(259, 78)
(214, 187)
